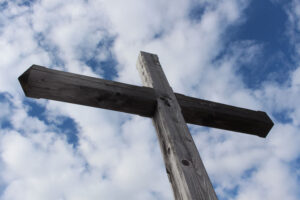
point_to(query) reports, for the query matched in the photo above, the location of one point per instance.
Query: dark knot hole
(185, 162)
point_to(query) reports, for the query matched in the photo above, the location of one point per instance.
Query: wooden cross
(169, 111)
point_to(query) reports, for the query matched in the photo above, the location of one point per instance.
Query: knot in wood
(166, 100)
(185, 162)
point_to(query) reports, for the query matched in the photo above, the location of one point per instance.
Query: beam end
(23, 79)
(26, 78)
(268, 124)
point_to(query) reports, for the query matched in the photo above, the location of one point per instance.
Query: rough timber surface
(41, 82)
(184, 166)
(217, 115)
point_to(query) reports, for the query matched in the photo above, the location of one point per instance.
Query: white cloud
(270, 178)
(5, 110)
(118, 155)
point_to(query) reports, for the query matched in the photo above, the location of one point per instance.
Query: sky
(239, 52)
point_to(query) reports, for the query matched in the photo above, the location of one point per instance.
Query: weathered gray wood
(41, 82)
(184, 166)
(183, 163)
(217, 115)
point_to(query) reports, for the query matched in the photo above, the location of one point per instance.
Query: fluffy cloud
(117, 155)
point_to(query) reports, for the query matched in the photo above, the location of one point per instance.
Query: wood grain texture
(41, 82)
(184, 166)
(217, 115)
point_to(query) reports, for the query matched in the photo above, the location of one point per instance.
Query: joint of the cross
(166, 101)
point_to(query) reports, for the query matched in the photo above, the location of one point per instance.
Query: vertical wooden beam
(184, 166)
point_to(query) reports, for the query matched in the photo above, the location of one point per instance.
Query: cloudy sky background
(239, 52)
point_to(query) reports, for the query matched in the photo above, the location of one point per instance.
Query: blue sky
(244, 53)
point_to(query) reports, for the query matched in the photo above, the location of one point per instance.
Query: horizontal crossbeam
(41, 82)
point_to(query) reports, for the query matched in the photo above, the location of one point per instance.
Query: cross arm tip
(24, 79)
(268, 125)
